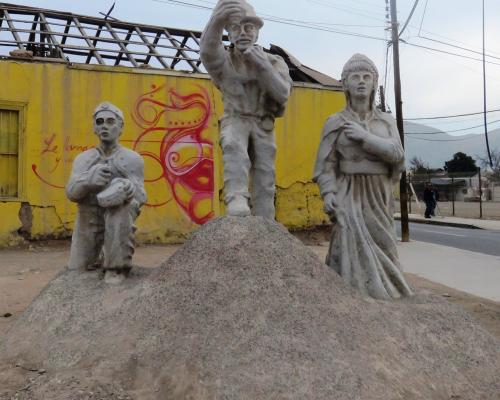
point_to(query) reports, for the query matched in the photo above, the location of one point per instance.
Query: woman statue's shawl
(332, 129)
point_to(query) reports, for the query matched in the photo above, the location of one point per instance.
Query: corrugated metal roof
(303, 73)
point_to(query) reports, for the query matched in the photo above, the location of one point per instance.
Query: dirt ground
(24, 272)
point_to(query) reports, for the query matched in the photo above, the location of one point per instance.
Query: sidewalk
(470, 223)
(473, 273)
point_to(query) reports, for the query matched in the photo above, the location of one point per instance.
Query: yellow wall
(298, 201)
(172, 119)
(10, 223)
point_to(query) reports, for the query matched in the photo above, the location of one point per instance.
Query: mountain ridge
(434, 147)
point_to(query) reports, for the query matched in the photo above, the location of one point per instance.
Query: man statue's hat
(107, 106)
(249, 15)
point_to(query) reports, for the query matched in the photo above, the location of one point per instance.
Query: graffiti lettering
(54, 157)
(50, 147)
(69, 147)
(35, 171)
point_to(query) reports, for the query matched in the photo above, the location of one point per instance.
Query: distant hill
(434, 147)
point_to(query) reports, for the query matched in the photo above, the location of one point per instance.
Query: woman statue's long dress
(360, 158)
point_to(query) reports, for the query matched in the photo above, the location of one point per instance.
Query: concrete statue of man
(107, 182)
(360, 158)
(255, 88)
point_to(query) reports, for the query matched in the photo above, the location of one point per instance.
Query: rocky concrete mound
(242, 311)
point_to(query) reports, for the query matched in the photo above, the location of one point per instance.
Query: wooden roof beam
(52, 36)
(92, 50)
(121, 45)
(152, 47)
(17, 38)
(180, 51)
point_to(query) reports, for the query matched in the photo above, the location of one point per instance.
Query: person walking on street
(429, 200)
(435, 196)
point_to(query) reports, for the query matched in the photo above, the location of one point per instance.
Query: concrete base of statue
(242, 311)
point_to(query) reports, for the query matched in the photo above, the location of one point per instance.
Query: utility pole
(403, 193)
(480, 195)
(484, 94)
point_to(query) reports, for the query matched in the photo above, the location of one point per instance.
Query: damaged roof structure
(48, 35)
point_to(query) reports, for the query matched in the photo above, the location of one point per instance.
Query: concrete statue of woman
(359, 160)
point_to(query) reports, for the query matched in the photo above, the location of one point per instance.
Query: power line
(435, 52)
(449, 39)
(423, 17)
(458, 47)
(451, 116)
(314, 22)
(349, 10)
(466, 64)
(367, 3)
(183, 3)
(420, 30)
(306, 22)
(441, 140)
(466, 46)
(334, 3)
(446, 52)
(334, 24)
(455, 121)
(279, 20)
(340, 32)
(319, 27)
(409, 17)
(453, 130)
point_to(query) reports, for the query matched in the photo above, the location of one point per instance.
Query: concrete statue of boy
(255, 88)
(359, 160)
(107, 182)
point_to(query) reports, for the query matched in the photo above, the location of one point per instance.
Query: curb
(441, 223)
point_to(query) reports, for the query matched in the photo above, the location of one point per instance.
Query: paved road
(477, 240)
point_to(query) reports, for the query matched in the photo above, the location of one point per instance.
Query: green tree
(460, 162)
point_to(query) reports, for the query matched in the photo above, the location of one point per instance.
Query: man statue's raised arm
(211, 48)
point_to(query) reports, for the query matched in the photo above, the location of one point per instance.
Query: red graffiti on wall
(53, 156)
(44, 180)
(174, 137)
(174, 142)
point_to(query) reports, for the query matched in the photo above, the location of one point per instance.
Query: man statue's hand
(256, 56)
(355, 131)
(330, 204)
(227, 10)
(100, 177)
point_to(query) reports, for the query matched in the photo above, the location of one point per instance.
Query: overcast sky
(434, 83)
